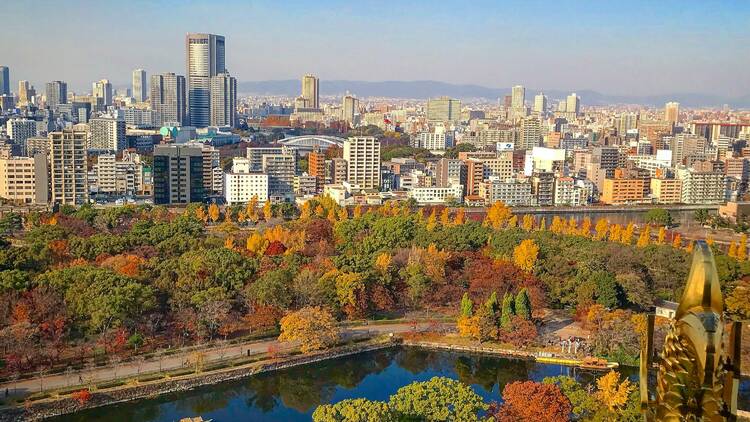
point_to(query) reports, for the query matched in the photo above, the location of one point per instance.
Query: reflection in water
(293, 394)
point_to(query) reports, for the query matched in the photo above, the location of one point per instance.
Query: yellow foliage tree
(615, 233)
(313, 327)
(229, 242)
(710, 240)
(256, 244)
(525, 255)
(434, 261)
(267, 211)
(200, 214)
(528, 222)
(661, 236)
(689, 247)
(305, 211)
(585, 229)
(213, 212)
(677, 241)
(347, 287)
(497, 215)
(513, 221)
(572, 226)
(432, 221)
(358, 211)
(543, 225)
(732, 252)
(251, 209)
(460, 217)
(241, 216)
(627, 235)
(467, 327)
(383, 262)
(742, 248)
(613, 393)
(645, 237)
(601, 229)
(445, 217)
(558, 225)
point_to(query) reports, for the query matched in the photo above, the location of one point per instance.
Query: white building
(19, 130)
(241, 185)
(512, 192)
(107, 134)
(436, 195)
(362, 155)
(567, 192)
(702, 187)
(434, 141)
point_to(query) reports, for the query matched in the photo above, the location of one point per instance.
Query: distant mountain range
(429, 89)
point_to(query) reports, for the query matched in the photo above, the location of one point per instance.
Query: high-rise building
(168, 98)
(26, 93)
(139, 85)
(24, 180)
(205, 57)
(103, 89)
(280, 169)
(211, 161)
(316, 167)
(241, 184)
(19, 130)
(57, 93)
(540, 103)
(310, 91)
(672, 112)
(362, 155)
(573, 105)
(518, 97)
(69, 178)
(531, 133)
(349, 108)
(443, 109)
(107, 134)
(4, 80)
(178, 174)
(626, 122)
(223, 100)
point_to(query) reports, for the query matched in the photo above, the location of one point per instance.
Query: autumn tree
(432, 221)
(585, 229)
(661, 236)
(256, 244)
(314, 327)
(508, 311)
(533, 401)
(497, 215)
(213, 212)
(627, 235)
(613, 393)
(525, 255)
(645, 237)
(460, 217)
(355, 410)
(467, 306)
(738, 301)
(615, 233)
(677, 241)
(439, 399)
(528, 222)
(742, 248)
(602, 226)
(267, 211)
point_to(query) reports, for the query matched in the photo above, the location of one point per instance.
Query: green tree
(523, 304)
(583, 402)
(439, 399)
(467, 306)
(508, 311)
(702, 217)
(659, 217)
(607, 289)
(492, 303)
(355, 410)
(274, 288)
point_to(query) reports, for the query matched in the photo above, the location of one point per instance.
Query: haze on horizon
(634, 48)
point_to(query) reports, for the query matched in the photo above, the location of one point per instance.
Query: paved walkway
(175, 361)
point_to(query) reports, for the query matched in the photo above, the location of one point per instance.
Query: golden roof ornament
(699, 368)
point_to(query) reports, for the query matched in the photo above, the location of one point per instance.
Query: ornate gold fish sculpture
(699, 368)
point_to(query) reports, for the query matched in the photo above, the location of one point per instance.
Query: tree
(486, 324)
(81, 396)
(613, 393)
(267, 211)
(659, 217)
(533, 401)
(439, 399)
(523, 304)
(738, 301)
(314, 327)
(661, 236)
(742, 248)
(200, 214)
(256, 244)
(355, 410)
(213, 212)
(467, 306)
(602, 226)
(627, 235)
(702, 217)
(460, 217)
(525, 255)
(645, 237)
(583, 403)
(497, 215)
(677, 241)
(528, 222)
(431, 221)
(445, 217)
(508, 311)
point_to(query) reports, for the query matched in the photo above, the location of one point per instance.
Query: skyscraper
(204, 59)
(102, 89)
(168, 98)
(57, 93)
(69, 177)
(139, 85)
(4, 80)
(573, 105)
(178, 174)
(107, 134)
(310, 92)
(362, 155)
(443, 109)
(540, 103)
(223, 100)
(349, 107)
(672, 112)
(518, 97)
(25, 92)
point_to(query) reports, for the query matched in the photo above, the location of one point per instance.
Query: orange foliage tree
(533, 401)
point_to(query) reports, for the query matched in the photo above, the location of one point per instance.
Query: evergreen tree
(508, 311)
(467, 307)
(492, 303)
(523, 304)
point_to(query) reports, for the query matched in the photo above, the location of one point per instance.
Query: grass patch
(110, 384)
(151, 377)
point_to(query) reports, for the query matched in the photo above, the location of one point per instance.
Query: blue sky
(616, 47)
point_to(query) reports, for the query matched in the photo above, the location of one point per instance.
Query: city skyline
(508, 45)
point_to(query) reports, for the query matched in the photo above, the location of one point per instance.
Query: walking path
(175, 361)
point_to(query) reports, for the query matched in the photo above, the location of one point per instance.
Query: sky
(614, 47)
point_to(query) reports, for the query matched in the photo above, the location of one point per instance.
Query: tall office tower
(362, 155)
(204, 59)
(107, 134)
(57, 93)
(139, 85)
(102, 89)
(444, 109)
(316, 167)
(310, 91)
(540, 103)
(168, 98)
(672, 112)
(4, 80)
(223, 100)
(349, 108)
(69, 176)
(573, 105)
(518, 97)
(178, 174)
(626, 122)
(19, 130)
(531, 133)
(24, 92)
